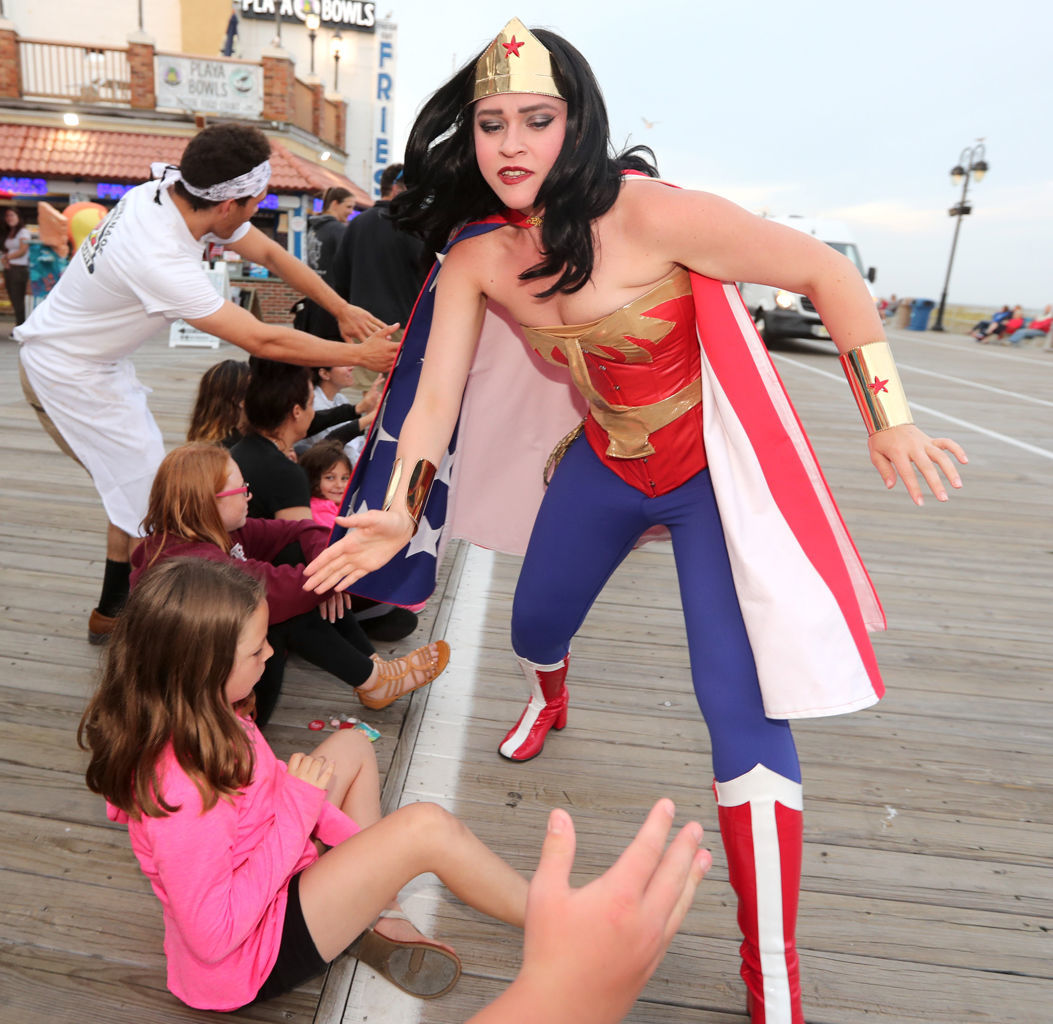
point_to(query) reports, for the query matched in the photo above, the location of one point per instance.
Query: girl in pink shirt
(328, 470)
(228, 835)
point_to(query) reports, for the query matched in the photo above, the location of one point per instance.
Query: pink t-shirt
(222, 876)
(324, 511)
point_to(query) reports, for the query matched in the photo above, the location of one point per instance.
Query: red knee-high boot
(761, 826)
(546, 709)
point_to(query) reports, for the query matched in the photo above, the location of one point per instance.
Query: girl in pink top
(228, 835)
(328, 469)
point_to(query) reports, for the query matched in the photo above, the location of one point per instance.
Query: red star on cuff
(878, 386)
(512, 48)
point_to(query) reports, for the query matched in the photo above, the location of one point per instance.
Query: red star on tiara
(512, 48)
(878, 385)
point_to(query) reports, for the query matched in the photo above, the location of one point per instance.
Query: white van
(782, 314)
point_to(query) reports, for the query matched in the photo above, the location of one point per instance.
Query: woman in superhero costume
(623, 280)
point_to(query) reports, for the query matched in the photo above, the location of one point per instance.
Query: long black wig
(444, 188)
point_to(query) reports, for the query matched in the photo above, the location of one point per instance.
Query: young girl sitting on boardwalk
(224, 830)
(328, 469)
(198, 506)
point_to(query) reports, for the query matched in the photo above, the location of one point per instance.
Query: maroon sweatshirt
(254, 545)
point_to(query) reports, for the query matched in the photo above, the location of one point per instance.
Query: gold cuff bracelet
(419, 488)
(876, 386)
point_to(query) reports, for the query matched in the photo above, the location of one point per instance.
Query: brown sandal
(404, 675)
(424, 969)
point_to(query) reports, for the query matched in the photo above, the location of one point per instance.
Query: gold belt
(629, 427)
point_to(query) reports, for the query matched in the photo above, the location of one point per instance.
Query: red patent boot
(761, 826)
(546, 709)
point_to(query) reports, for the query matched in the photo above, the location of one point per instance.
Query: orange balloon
(82, 217)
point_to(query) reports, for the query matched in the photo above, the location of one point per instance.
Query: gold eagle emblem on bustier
(629, 335)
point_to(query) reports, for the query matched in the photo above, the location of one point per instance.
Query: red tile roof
(324, 177)
(93, 155)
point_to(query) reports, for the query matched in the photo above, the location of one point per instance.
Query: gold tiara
(515, 61)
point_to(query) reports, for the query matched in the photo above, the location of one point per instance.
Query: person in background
(15, 261)
(381, 266)
(136, 272)
(324, 233)
(326, 229)
(328, 470)
(329, 383)
(219, 408)
(984, 328)
(1035, 329)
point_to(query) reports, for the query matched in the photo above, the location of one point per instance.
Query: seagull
(649, 124)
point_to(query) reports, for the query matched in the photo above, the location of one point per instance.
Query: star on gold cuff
(876, 386)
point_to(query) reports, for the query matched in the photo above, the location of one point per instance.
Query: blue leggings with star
(588, 522)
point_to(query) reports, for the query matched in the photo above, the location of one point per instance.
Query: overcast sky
(833, 108)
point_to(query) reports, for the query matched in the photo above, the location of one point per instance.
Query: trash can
(919, 315)
(902, 315)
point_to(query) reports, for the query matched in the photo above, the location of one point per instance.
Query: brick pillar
(341, 125)
(279, 75)
(317, 107)
(141, 71)
(10, 69)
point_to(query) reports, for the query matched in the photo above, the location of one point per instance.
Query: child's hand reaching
(371, 399)
(317, 771)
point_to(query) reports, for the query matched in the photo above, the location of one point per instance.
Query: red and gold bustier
(639, 369)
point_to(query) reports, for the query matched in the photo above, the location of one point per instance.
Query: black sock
(114, 587)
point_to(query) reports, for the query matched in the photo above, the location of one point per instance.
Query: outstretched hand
(373, 538)
(588, 952)
(378, 351)
(357, 324)
(904, 449)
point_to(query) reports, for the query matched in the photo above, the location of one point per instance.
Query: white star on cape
(424, 540)
(445, 469)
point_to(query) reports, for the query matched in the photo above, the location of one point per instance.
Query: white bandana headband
(251, 183)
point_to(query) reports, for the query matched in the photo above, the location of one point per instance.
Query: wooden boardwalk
(928, 888)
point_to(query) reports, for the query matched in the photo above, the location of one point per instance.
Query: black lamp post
(336, 47)
(971, 163)
(312, 21)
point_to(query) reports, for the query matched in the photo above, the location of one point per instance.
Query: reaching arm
(587, 953)
(375, 536)
(286, 345)
(720, 240)
(355, 323)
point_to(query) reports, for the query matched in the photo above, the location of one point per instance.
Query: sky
(822, 108)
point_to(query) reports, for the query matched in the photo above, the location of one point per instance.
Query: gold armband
(876, 386)
(419, 488)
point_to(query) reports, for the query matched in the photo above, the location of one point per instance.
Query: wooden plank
(928, 882)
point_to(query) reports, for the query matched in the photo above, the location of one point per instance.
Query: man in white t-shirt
(138, 270)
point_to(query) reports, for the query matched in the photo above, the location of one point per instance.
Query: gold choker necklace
(535, 221)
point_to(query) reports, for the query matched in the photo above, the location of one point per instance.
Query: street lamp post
(970, 164)
(336, 47)
(312, 21)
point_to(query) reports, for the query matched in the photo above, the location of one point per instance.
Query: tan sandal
(424, 969)
(404, 675)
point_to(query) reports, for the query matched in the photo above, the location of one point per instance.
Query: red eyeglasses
(243, 489)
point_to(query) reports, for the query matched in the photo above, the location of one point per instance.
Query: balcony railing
(70, 71)
(101, 76)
